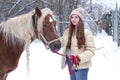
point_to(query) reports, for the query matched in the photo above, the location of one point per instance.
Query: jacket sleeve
(63, 41)
(64, 38)
(89, 51)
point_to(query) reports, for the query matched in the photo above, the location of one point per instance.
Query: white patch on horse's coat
(50, 19)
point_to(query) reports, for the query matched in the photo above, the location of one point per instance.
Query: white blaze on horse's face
(50, 19)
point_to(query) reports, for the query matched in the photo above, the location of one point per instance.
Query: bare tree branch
(31, 2)
(23, 7)
(19, 11)
(13, 7)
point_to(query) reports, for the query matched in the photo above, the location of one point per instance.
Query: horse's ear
(38, 12)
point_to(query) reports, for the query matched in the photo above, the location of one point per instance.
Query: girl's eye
(76, 16)
(71, 16)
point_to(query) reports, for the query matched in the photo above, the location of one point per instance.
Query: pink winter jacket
(85, 53)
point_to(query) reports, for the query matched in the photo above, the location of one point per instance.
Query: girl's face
(74, 19)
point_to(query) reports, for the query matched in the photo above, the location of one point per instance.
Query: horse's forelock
(45, 12)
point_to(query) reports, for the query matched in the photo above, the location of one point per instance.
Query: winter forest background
(46, 65)
(62, 9)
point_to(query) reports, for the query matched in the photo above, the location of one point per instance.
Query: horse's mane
(45, 11)
(17, 27)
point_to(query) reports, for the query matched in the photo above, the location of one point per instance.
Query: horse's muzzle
(55, 45)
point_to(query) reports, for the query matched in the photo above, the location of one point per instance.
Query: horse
(17, 33)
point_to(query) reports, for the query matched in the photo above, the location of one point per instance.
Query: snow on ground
(46, 65)
(43, 65)
(106, 65)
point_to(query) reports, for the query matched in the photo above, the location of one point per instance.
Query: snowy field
(45, 65)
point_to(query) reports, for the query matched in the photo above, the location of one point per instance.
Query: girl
(78, 45)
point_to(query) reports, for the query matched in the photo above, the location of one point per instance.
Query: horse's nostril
(55, 46)
(59, 46)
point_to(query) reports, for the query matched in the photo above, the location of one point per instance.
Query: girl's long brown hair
(79, 34)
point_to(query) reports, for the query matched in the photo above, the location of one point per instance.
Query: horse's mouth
(55, 45)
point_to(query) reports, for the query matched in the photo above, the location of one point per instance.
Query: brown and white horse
(17, 33)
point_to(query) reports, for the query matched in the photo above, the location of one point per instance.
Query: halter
(37, 34)
(46, 42)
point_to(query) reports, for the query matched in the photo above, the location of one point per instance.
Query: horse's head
(46, 29)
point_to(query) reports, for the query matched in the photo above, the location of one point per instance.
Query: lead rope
(54, 51)
(70, 70)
